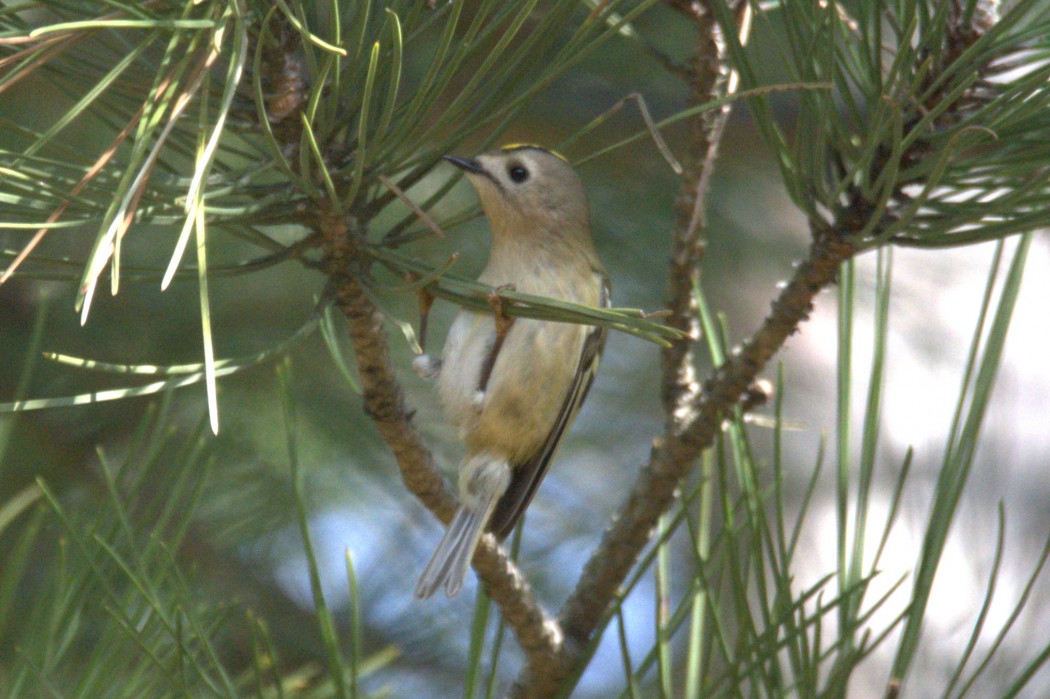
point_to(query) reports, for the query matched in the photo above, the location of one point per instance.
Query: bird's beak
(465, 164)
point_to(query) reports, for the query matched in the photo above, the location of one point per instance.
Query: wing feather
(527, 475)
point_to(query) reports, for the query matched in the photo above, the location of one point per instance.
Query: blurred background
(243, 547)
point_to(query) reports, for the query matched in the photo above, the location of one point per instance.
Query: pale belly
(529, 381)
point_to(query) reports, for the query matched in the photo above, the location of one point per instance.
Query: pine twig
(706, 76)
(384, 399)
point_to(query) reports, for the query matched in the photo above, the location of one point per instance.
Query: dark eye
(518, 173)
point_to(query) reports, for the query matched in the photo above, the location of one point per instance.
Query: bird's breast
(531, 375)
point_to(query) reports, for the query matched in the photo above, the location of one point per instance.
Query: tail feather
(483, 480)
(448, 567)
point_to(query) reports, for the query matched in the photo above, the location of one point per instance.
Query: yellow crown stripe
(520, 146)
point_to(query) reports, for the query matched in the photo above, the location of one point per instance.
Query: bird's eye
(518, 173)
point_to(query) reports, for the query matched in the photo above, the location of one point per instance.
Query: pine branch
(706, 77)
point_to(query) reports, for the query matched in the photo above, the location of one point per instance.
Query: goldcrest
(511, 387)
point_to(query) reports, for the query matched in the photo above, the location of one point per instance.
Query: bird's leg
(425, 366)
(503, 323)
(426, 300)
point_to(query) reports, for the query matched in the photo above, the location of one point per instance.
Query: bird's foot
(426, 367)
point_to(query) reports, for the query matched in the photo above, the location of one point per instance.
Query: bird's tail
(486, 480)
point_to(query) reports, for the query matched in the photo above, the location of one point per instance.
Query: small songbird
(512, 386)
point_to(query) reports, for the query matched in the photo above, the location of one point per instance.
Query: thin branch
(707, 75)
(537, 633)
(415, 208)
(384, 399)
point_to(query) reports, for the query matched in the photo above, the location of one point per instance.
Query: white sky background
(936, 298)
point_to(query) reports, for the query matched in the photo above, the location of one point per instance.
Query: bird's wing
(526, 476)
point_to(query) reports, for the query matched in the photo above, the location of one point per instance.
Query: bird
(512, 386)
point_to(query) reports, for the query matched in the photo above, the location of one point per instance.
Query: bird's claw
(503, 321)
(426, 367)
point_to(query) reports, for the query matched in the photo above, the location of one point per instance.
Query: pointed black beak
(465, 164)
